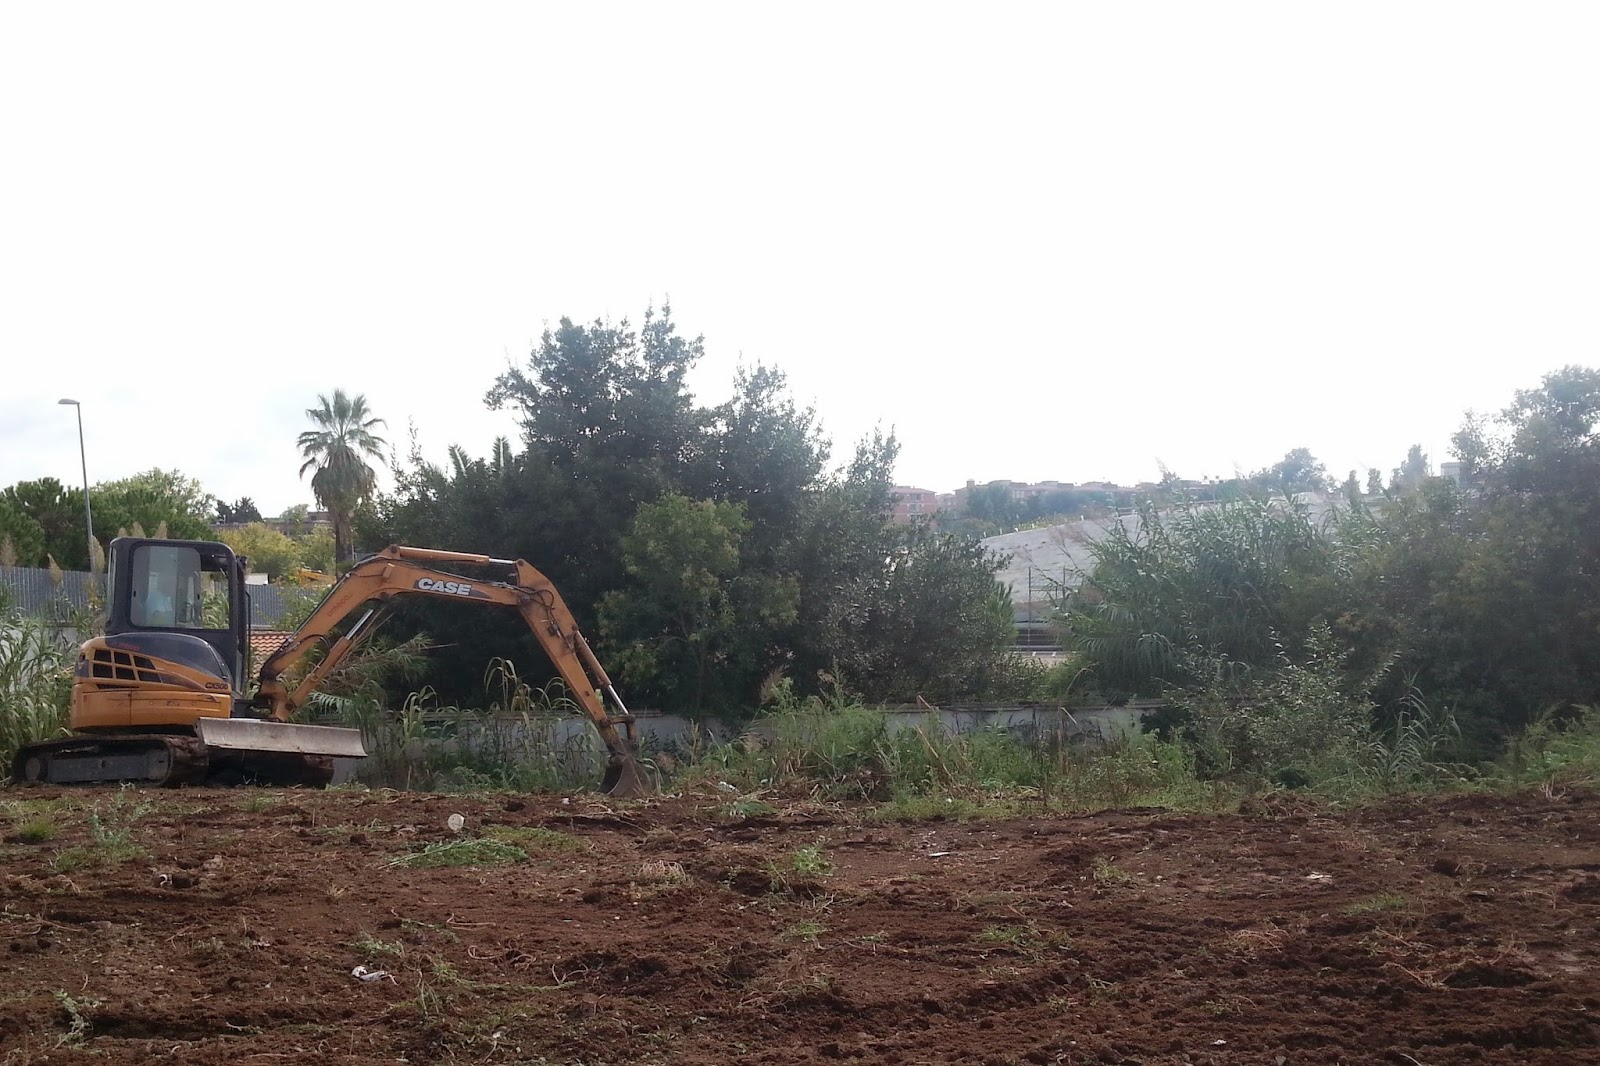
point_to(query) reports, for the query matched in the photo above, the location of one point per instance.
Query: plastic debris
(456, 823)
(361, 973)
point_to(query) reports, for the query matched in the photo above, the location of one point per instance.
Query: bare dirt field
(223, 926)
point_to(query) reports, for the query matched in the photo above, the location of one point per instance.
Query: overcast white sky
(1040, 241)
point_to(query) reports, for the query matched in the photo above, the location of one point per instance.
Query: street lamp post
(83, 459)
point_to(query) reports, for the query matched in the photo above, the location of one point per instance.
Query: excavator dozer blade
(253, 734)
(625, 779)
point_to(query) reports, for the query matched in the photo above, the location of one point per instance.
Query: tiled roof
(263, 642)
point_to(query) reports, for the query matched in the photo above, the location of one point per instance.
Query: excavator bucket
(625, 779)
(253, 734)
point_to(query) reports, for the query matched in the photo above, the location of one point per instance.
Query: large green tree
(1297, 471)
(156, 500)
(607, 424)
(648, 508)
(44, 519)
(336, 452)
(269, 551)
(693, 626)
(243, 510)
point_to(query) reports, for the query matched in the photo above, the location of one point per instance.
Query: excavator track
(165, 761)
(154, 759)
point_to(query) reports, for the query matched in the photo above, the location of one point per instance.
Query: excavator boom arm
(402, 571)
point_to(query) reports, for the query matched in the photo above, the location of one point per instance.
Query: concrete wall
(573, 737)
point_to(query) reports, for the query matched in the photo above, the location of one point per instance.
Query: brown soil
(1462, 930)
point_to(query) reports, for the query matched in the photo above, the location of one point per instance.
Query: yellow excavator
(163, 697)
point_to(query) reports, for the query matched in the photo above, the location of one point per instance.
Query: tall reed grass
(36, 657)
(524, 741)
(853, 753)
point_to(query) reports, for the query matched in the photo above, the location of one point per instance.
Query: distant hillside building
(313, 521)
(910, 502)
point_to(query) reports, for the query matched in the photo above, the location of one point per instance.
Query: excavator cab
(189, 592)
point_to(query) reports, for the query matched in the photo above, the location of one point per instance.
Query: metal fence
(42, 593)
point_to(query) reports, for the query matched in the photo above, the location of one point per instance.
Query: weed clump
(462, 853)
(927, 770)
(534, 838)
(111, 840)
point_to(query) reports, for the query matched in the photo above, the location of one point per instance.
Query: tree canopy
(1483, 600)
(708, 546)
(1298, 471)
(44, 519)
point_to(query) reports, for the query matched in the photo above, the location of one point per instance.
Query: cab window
(172, 588)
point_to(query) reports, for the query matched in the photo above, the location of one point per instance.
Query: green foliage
(244, 510)
(992, 508)
(707, 544)
(608, 425)
(269, 551)
(1293, 724)
(1218, 582)
(691, 624)
(468, 852)
(938, 624)
(1385, 901)
(317, 549)
(44, 519)
(35, 681)
(1297, 471)
(153, 500)
(38, 830)
(535, 838)
(1490, 594)
(516, 744)
(21, 530)
(110, 826)
(930, 771)
(1409, 475)
(808, 861)
(78, 1013)
(374, 949)
(1556, 750)
(296, 519)
(336, 452)
(1384, 648)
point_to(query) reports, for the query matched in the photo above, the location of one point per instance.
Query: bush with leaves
(1171, 590)
(1293, 723)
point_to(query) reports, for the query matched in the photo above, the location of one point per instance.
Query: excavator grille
(123, 666)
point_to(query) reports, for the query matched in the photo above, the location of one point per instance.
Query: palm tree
(337, 451)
